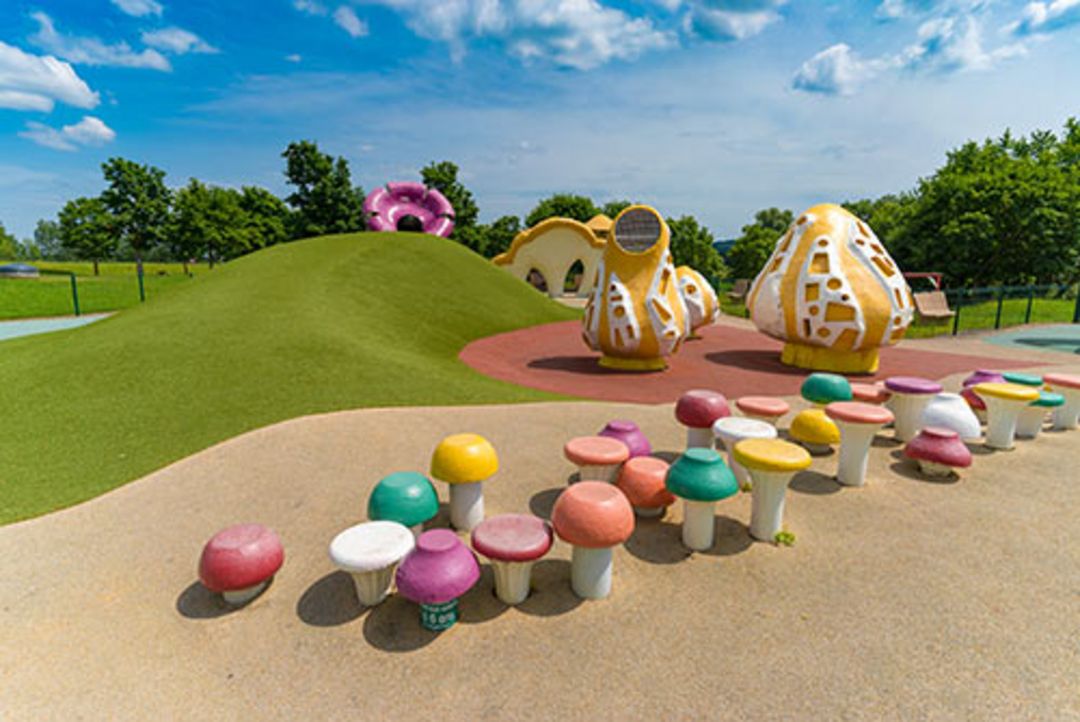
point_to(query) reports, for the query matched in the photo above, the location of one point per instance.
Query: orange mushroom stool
(641, 479)
(594, 517)
(764, 408)
(869, 393)
(597, 458)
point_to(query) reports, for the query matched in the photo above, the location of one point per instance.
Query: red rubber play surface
(735, 361)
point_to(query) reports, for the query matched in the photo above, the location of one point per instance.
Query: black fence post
(1031, 299)
(956, 314)
(75, 294)
(1076, 310)
(1001, 301)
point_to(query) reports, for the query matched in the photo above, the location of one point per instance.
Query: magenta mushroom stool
(698, 410)
(238, 562)
(513, 542)
(938, 451)
(628, 433)
(435, 574)
(762, 408)
(1067, 415)
(983, 376)
(910, 395)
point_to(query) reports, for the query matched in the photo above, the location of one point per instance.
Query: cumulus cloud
(138, 8)
(294, 57)
(89, 131)
(1046, 17)
(724, 20)
(92, 51)
(346, 19)
(836, 70)
(177, 41)
(35, 82)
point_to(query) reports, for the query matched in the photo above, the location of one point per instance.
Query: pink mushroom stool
(438, 571)
(938, 451)
(1067, 415)
(858, 423)
(239, 561)
(763, 408)
(698, 410)
(597, 458)
(983, 376)
(641, 479)
(513, 543)
(628, 433)
(869, 393)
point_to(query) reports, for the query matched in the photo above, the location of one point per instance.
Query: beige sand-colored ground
(904, 599)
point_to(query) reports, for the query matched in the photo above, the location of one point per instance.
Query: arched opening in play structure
(537, 280)
(411, 224)
(574, 276)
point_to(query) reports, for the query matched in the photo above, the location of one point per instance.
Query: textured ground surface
(903, 599)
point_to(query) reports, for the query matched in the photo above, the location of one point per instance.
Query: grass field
(320, 325)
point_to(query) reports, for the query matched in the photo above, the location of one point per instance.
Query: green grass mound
(320, 325)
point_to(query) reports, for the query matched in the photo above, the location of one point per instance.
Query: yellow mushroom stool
(815, 430)
(464, 461)
(1004, 402)
(771, 463)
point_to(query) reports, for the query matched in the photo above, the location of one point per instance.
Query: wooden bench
(739, 290)
(933, 305)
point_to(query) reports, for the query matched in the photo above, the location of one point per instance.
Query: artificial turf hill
(325, 324)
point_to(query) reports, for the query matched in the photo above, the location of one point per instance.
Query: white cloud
(89, 131)
(35, 82)
(311, 7)
(724, 20)
(91, 51)
(346, 19)
(1043, 17)
(836, 70)
(951, 44)
(138, 8)
(294, 58)
(178, 41)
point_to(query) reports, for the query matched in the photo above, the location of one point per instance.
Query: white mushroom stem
(237, 597)
(590, 572)
(1066, 416)
(1002, 415)
(649, 512)
(699, 524)
(512, 581)
(767, 503)
(908, 410)
(372, 587)
(599, 472)
(855, 441)
(933, 468)
(700, 438)
(1030, 421)
(466, 505)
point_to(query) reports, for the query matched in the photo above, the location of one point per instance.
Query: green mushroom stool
(700, 478)
(406, 497)
(822, 389)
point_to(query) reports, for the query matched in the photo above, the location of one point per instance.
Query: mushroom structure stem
(466, 505)
(1066, 417)
(598, 472)
(1030, 421)
(373, 587)
(932, 468)
(699, 438)
(767, 505)
(854, 452)
(590, 572)
(512, 580)
(1001, 423)
(647, 512)
(699, 524)
(908, 409)
(238, 597)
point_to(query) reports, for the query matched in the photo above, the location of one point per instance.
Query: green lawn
(320, 325)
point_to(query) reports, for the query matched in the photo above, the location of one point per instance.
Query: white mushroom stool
(370, 552)
(730, 430)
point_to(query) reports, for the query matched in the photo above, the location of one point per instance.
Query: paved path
(1064, 338)
(32, 326)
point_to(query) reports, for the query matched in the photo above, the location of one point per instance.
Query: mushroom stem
(649, 512)
(699, 524)
(932, 468)
(1030, 421)
(767, 503)
(437, 617)
(908, 410)
(599, 472)
(466, 505)
(512, 581)
(590, 572)
(855, 441)
(417, 529)
(700, 438)
(1001, 424)
(372, 587)
(238, 597)
(1067, 415)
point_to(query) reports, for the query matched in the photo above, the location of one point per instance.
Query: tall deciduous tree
(444, 178)
(9, 245)
(266, 214)
(562, 205)
(757, 241)
(210, 221)
(47, 240)
(324, 198)
(88, 230)
(138, 201)
(692, 245)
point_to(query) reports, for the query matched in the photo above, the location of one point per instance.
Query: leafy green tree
(324, 198)
(614, 208)
(562, 205)
(210, 222)
(500, 234)
(692, 245)
(138, 201)
(443, 177)
(47, 240)
(88, 231)
(267, 215)
(10, 248)
(753, 248)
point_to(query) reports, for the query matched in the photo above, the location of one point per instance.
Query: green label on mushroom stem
(438, 617)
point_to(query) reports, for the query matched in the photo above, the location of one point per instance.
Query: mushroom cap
(370, 546)
(869, 393)
(731, 429)
(824, 388)
(912, 385)
(979, 376)
(940, 446)
(700, 408)
(771, 455)
(441, 568)
(952, 411)
(701, 475)
(512, 537)
(641, 479)
(1049, 399)
(406, 497)
(628, 433)
(595, 451)
(464, 459)
(593, 514)
(239, 557)
(1066, 381)
(1015, 377)
(1006, 392)
(812, 426)
(762, 405)
(968, 394)
(856, 412)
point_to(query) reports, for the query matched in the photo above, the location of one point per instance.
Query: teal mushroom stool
(822, 389)
(700, 478)
(1015, 377)
(406, 497)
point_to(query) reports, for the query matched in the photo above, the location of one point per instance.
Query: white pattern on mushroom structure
(702, 306)
(832, 293)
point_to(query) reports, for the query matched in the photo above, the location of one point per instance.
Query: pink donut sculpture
(391, 208)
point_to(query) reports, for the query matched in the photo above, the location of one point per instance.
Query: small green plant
(784, 538)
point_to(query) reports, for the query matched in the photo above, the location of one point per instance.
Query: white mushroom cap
(371, 546)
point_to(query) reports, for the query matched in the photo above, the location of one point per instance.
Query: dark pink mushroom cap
(972, 398)
(699, 408)
(628, 433)
(512, 537)
(239, 557)
(440, 569)
(940, 446)
(912, 385)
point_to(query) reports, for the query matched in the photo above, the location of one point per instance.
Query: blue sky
(711, 107)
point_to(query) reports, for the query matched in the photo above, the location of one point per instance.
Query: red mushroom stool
(597, 458)
(238, 562)
(763, 408)
(642, 481)
(513, 542)
(698, 410)
(938, 451)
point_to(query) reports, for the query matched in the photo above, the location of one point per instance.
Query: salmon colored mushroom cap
(870, 393)
(857, 412)
(593, 514)
(699, 408)
(762, 405)
(642, 481)
(939, 446)
(1068, 381)
(239, 557)
(595, 451)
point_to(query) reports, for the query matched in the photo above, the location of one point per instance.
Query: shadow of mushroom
(198, 602)
(668, 456)
(330, 601)
(550, 594)
(814, 482)
(657, 542)
(731, 537)
(441, 520)
(542, 502)
(394, 626)
(885, 442)
(480, 604)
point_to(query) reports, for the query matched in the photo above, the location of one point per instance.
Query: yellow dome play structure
(831, 292)
(636, 316)
(702, 305)
(551, 248)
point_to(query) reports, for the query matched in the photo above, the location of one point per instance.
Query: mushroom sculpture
(910, 396)
(641, 479)
(594, 517)
(1067, 415)
(370, 552)
(1033, 416)
(730, 430)
(870, 393)
(763, 408)
(513, 543)
(597, 458)
(628, 433)
(771, 463)
(938, 451)
(435, 575)
(238, 562)
(858, 423)
(406, 497)
(950, 411)
(409, 207)
(1004, 402)
(979, 376)
(702, 306)
(831, 293)
(821, 388)
(465, 461)
(815, 430)
(700, 478)
(1016, 377)
(698, 410)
